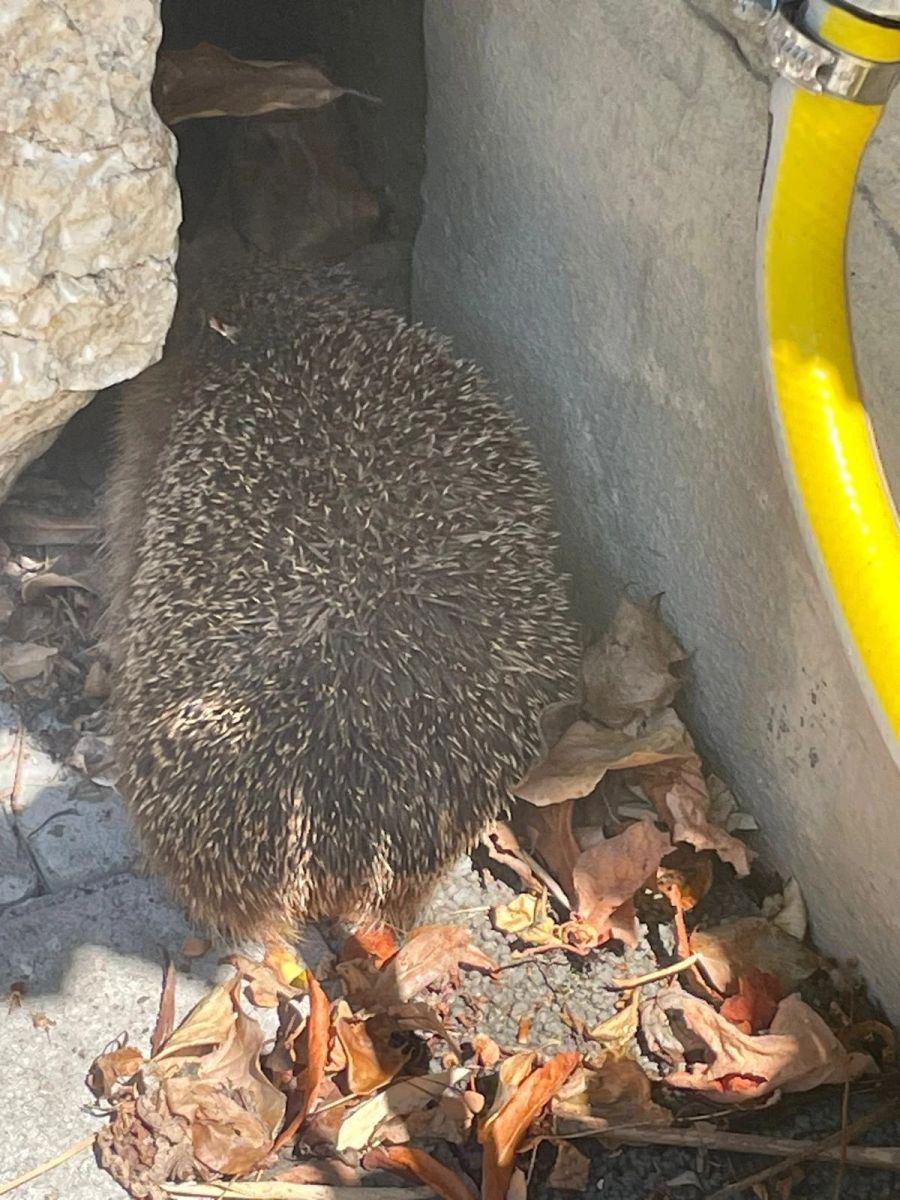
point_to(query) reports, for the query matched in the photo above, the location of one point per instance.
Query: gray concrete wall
(588, 235)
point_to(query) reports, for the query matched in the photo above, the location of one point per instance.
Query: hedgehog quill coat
(334, 612)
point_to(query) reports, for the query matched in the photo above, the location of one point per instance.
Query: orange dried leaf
(377, 942)
(748, 944)
(615, 1093)
(372, 1058)
(609, 874)
(266, 980)
(503, 1135)
(447, 1183)
(318, 1039)
(109, 1069)
(799, 1053)
(756, 1002)
(430, 953)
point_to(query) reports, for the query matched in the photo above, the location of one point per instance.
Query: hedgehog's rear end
(334, 615)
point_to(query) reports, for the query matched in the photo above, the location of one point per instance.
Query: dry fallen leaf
(110, 1070)
(46, 581)
(571, 1170)
(788, 911)
(754, 1006)
(207, 81)
(365, 1125)
(526, 917)
(502, 1135)
(512, 1074)
(617, 1032)
(318, 1041)
(431, 953)
(446, 1183)
(615, 1093)
(503, 847)
(585, 752)
(679, 792)
(626, 674)
(800, 1051)
(24, 660)
(737, 948)
(373, 1059)
(375, 942)
(195, 947)
(266, 984)
(487, 1052)
(609, 874)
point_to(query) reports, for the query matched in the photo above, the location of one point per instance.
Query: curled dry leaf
(526, 917)
(446, 1183)
(366, 1124)
(571, 1170)
(47, 581)
(551, 833)
(679, 792)
(487, 1052)
(195, 947)
(615, 1093)
(373, 1058)
(788, 911)
(266, 984)
(799, 1053)
(608, 875)
(739, 947)
(617, 1032)
(503, 1134)
(94, 756)
(503, 847)
(430, 954)
(110, 1071)
(207, 81)
(376, 943)
(512, 1074)
(585, 752)
(754, 1006)
(627, 673)
(318, 1041)
(685, 877)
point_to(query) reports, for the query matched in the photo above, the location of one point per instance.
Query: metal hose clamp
(801, 56)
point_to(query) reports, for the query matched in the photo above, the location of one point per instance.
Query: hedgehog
(335, 613)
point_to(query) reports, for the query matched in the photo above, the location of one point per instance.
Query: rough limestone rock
(89, 211)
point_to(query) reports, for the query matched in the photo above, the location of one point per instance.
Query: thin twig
(636, 981)
(273, 1189)
(56, 1161)
(834, 1148)
(845, 1141)
(546, 879)
(885, 1158)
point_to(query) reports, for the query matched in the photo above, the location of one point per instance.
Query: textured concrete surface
(589, 223)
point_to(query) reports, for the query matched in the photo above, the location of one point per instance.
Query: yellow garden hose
(817, 141)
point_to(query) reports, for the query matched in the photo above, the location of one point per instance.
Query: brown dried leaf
(443, 1181)
(799, 1053)
(47, 581)
(165, 1016)
(618, 1031)
(626, 674)
(195, 947)
(367, 1123)
(585, 752)
(609, 874)
(615, 1093)
(752, 943)
(430, 953)
(571, 1169)
(680, 794)
(512, 1074)
(487, 1052)
(372, 1057)
(502, 1136)
(109, 1071)
(330, 1172)
(207, 81)
(503, 847)
(266, 984)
